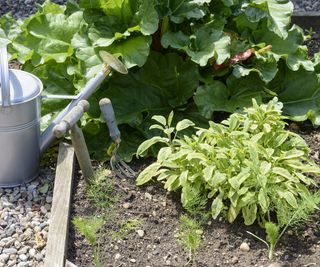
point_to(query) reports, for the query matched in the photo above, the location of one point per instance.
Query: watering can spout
(111, 63)
(47, 137)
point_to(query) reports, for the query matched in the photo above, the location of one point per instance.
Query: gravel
(306, 5)
(24, 221)
(22, 8)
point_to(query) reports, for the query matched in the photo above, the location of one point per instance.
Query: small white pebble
(140, 233)
(126, 205)
(244, 247)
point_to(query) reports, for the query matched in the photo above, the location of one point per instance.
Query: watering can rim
(34, 90)
(17, 86)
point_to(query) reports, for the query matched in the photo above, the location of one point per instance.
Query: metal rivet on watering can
(19, 124)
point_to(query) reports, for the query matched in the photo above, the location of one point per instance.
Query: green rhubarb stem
(164, 25)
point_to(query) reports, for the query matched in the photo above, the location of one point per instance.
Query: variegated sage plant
(248, 165)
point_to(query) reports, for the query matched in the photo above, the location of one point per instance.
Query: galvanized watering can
(21, 143)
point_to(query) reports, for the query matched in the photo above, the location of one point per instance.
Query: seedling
(190, 236)
(100, 190)
(90, 228)
(197, 209)
(125, 228)
(274, 231)
(309, 33)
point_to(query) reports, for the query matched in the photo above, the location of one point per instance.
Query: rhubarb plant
(194, 57)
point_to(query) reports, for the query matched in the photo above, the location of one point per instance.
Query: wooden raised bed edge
(59, 219)
(307, 20)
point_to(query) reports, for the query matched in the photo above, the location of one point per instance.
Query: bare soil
(158, 213)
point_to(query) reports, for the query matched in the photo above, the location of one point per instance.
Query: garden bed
(153, 240)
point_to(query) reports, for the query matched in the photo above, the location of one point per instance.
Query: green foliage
(187, 56)
(288, 218)
(248, 165)
(190, 235)
(88, 227)
(100, 190)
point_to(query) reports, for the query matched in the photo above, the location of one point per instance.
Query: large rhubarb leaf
(165, 83)
(117, 19)
(179, 11)
(277, 12)
(241, 49)
(291, 49)
(230, 97)
(47, 36)
(9, 29)
(209, 41)
(299, 91)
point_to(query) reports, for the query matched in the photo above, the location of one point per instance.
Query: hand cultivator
(117, 164)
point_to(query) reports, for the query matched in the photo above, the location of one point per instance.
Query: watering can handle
(4, 77)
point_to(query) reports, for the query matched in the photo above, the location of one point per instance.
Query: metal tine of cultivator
(117, 164)
(122, 169)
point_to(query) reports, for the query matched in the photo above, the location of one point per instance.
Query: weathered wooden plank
(307, 19)
(59, 219)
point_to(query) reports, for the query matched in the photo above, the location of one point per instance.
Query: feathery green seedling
(274, 231)
(90, 228)
(190, 236)
(100, 190)
(126, 227)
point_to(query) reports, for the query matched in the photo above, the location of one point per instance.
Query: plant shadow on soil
(158, 213)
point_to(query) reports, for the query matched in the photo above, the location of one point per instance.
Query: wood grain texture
(59, 219)
(81, 151)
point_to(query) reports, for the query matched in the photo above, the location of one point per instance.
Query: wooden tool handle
(109, 117)
(71, 118)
